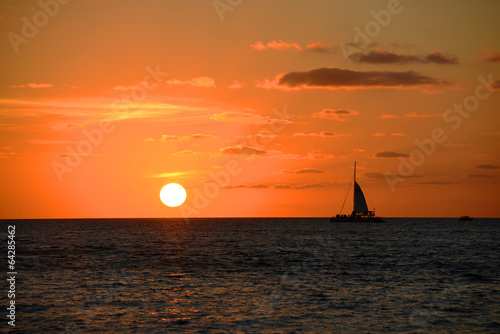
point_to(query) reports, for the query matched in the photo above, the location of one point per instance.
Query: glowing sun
(173, 195)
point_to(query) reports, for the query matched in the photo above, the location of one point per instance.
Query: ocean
(243, 275)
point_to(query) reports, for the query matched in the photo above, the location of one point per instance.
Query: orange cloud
(242, 117)
(418, 114)
(490, 56)
(275, 45)
(320, 47)
(383, 116)
(196, 82)
(33, 85)
(379, 134)
(235, 85)
(167, 138)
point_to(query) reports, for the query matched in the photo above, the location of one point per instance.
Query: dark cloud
(335, 114)
(331, 77)
(487, 166)
(258, 186)
(388, 57)
(242, 149)
(479, 176)
(300, 186)
(389, 154)
(435, 183)
(305, 171)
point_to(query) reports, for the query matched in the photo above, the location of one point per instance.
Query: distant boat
(360, 212)
(465, 219)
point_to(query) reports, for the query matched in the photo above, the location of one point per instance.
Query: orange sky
(258, 108)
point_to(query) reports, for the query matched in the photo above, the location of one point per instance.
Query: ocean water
(294, 275)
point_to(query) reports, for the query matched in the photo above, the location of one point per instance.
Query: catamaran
(360, 212)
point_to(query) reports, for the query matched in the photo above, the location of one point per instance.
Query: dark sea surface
(293, 275)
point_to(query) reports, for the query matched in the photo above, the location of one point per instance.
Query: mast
(354, 171)
(354, 192)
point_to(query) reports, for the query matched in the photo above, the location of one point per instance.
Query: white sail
(359, 200)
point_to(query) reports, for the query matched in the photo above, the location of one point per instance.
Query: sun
(173, 195)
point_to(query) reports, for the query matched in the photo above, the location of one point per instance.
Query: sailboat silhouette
(360, 212)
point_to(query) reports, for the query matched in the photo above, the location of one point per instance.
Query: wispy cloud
(419, 115)
(205, 82)
(171, 138)
(386, 116)
(243, 117)
(323, 134)
(235, 85)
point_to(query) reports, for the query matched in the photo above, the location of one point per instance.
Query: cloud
(374, 175)
(6, 155)
(275, 45)
(196, 82)
(242, 149)
(434, 183)
(378, 134)
(335, 114)
(170, 138)
(379, 56)
(358, 150)
(323, 134)
(389, 154)
(384, 116)
(487, 166)
(174, 174)
(336, 78)
(304, 171)
(235, 85)
(33, 85)
(299, 186)
(320, 47)
(479, 176)
(185, 153)
(242, 117)
(490, 56)
(418, 115)
(398, 134)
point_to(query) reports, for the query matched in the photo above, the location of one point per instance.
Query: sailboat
(360, 212)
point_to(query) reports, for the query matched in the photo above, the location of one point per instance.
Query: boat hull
(356, 219)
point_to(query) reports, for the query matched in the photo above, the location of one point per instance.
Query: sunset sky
(257, 108)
